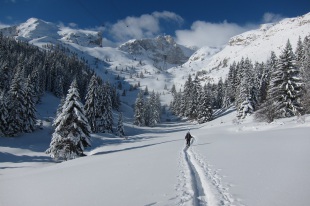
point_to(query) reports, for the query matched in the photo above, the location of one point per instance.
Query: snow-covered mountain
(255, 44)
(162, 49)
(160, 59)
(41, 32)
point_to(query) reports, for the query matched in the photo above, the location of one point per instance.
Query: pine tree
(108, 113)
(204, 107)
(245, 108)
(245, 89)
(173, 90)
(92, 104)
(305, 72)
(72, 130)
(154, 113)
(193, 101)
(299, 53)
(16, 105)
(187, 97)
(286, 85)
(147, 112)
(120, 126)
(4, 115)
(5, 79)
(220, 94)
(226, 96)
(30, 115)
(139, 110)
(146, 91)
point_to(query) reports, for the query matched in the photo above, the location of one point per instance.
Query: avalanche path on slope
(201, 185)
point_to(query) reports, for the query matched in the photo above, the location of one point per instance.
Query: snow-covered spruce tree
(286, 85)
(139, 110)
(5, 78)
(4, 115)
(30, 115)
(173, 90)
(305, 71)
(204, 107)
(220, 94)
(299, 53)
(245, 88)
(72, 130)
(35, 82)
(175, 105)
(115, 98)
(107, 104)
(158, 108)
(185, 97)
(231, 83)
(267, 111)
(154, 111)
(16, 106)
(193, 101)
(120, 126)
(245, 108)
(226, 96)
(92, 104)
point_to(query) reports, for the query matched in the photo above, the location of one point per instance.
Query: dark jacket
(188, 136)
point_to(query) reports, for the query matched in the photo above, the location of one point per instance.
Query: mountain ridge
(161, 58)
(254, 44)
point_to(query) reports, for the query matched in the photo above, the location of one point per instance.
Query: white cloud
(147, 25)
(3, 25)
(208, 34)
(73, 25)
(167, 15)
(269, 17)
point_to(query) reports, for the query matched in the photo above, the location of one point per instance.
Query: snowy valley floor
(229, 163)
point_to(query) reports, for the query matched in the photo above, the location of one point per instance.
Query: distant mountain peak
(35, 29)
(162, 48)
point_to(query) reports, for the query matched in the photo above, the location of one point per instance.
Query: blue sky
(191, 22)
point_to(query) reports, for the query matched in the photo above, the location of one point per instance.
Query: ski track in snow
(198, 184)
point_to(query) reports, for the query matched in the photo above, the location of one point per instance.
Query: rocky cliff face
(159, 49)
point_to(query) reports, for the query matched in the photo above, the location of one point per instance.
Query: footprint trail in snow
(198, 184)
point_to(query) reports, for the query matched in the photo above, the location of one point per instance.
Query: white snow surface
(229, 163)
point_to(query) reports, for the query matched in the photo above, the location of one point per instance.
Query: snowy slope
(229, 163)
(255, 44)
(128, 61)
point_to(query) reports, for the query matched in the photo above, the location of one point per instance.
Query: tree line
(277, 88)
(27, 72)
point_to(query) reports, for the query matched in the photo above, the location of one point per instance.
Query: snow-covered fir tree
(4, 115)
(16, 105)
(245, 108)
(120, 126)
(139, 110)
(204, 107)
(286, 85)
(92, 104)
(30, 115)
(107, 108)
(305, 72)
(154, 110)
(195, 90)
(72, 130)
(5, 78)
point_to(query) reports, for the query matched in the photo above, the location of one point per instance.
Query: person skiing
(188, 138)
